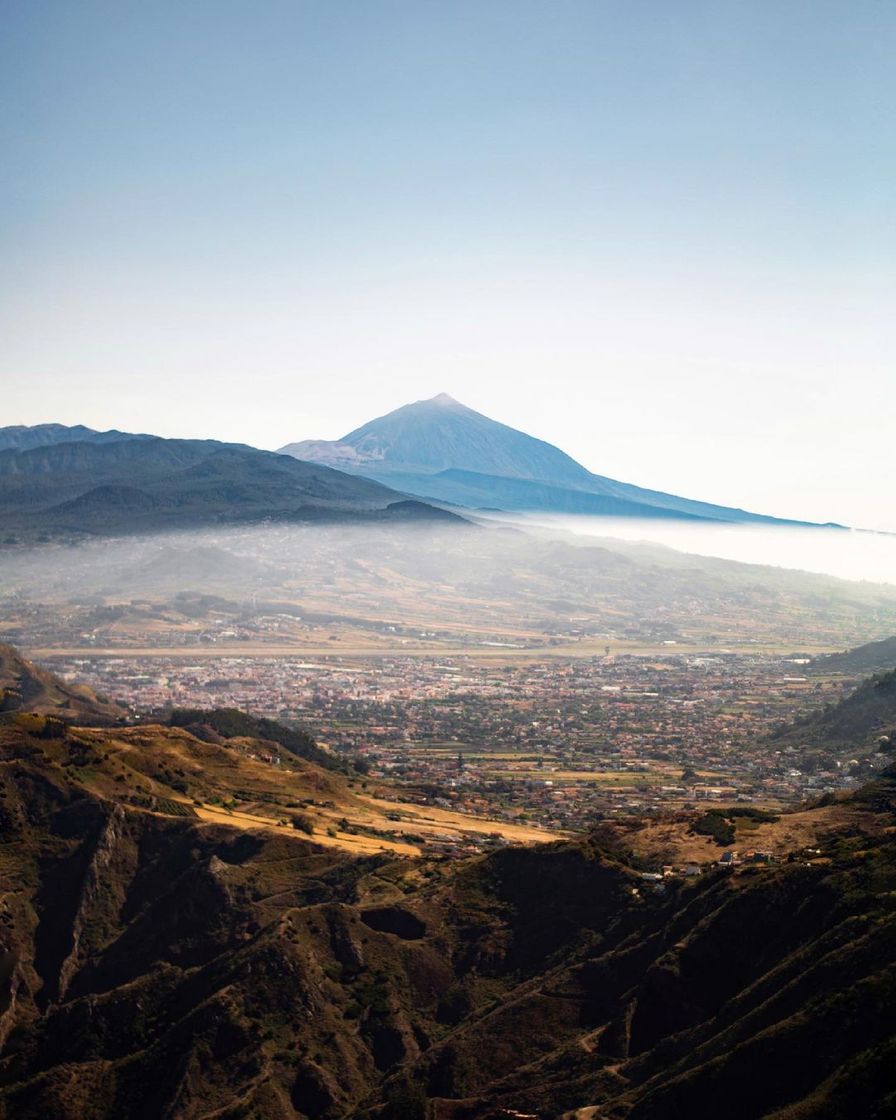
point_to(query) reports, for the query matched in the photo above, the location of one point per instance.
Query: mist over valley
(458, 586)
(849, 554)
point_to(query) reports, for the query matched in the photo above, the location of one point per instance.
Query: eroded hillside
(158, 963)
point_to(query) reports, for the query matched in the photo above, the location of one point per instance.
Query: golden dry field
(258, 784)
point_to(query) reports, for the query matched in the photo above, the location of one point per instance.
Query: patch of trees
(718, 823)
(714, 825)
(233, 724)
(750, 813)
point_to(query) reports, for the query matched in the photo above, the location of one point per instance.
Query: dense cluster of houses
(557, 742)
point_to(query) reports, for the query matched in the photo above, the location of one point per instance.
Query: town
(556, 744)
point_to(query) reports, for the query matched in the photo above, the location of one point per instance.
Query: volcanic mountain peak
(442, 450)
(438, 434)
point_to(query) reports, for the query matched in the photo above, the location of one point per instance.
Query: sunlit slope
(24, 686)
(248, 783)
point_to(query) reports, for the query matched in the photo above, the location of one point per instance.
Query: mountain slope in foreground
(155, 963)
(860, 723)
(868, 658)
(444, 451)
(145, 483)
(24, 686)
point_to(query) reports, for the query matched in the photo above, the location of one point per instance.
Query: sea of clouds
(846, 553)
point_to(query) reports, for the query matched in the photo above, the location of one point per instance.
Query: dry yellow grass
(372, 813)
(431, 818)
(791, 832)
(154, 764)
(356, 844)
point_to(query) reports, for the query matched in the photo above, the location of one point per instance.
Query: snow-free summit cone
(443, 450)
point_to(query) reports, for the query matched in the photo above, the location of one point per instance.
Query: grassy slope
(25, 686)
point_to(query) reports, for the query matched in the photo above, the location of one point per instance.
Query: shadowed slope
(868, 658)
(20, 437)
(142, 484)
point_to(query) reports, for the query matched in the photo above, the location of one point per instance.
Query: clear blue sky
(660, 234)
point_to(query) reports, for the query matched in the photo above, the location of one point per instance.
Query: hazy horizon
(380, 588)
(659, 238)
(850, 554)
(628, 528)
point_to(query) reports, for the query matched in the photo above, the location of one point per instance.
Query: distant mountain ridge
(444, 451)
(404, 465)
(20, 437)
(146, 483)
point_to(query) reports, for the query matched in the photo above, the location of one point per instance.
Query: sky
(660, 235)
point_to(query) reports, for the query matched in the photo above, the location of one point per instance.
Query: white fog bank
(846, 553)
